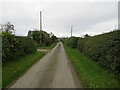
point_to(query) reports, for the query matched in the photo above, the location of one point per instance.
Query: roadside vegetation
(48, 47)
(42, 38)
(19, 53)
(90, 74)
(102, 49)
(12, 70)
(14, 47)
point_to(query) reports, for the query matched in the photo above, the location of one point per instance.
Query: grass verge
(89, 73)
(48, 47)
(12, 70)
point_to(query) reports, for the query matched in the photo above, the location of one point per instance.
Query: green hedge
(71, 42)
(14, 47)
(104, 49)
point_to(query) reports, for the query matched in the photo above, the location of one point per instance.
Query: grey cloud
(58, 17)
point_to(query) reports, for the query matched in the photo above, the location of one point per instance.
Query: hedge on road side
(104, 49)
(71, 42)
(14, 47)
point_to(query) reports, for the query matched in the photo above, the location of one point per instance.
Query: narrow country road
(52, 71)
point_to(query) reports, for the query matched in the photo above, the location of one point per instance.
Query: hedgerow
(104, 49)
(14, 47)
(71, 42)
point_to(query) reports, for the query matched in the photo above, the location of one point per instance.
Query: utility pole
(41, 28)
(71, 30)
(119, 15)
(115, 27)
(40, 20)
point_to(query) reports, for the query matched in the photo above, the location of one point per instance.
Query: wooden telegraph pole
(71, 30)
(119, 15)
(41, 28)
(40, 20)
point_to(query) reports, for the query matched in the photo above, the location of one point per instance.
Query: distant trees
(86, 35)
(35, 35)
(53, 39)
(42, 37)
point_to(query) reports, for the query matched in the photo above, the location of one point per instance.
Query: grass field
(12, 70)
(89, 73)
(48, 47)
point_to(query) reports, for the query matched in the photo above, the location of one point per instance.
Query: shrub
(14, 47)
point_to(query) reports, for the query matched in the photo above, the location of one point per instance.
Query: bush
(14, 47)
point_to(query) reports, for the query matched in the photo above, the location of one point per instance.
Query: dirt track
(52, 71)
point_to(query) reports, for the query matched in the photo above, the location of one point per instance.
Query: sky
(91, 17)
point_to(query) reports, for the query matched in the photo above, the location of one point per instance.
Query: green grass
(48, 47)
(12, 70)
(89, 73)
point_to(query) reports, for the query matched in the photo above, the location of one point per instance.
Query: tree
(53, 39)
(86, 36)
(36, 36)
(8, 27)
(42, 37)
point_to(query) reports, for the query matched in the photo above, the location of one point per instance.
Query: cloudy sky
(93, 17)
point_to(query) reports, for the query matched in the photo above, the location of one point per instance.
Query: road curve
(52, 71)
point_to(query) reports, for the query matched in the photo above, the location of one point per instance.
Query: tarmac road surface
(52, 71)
